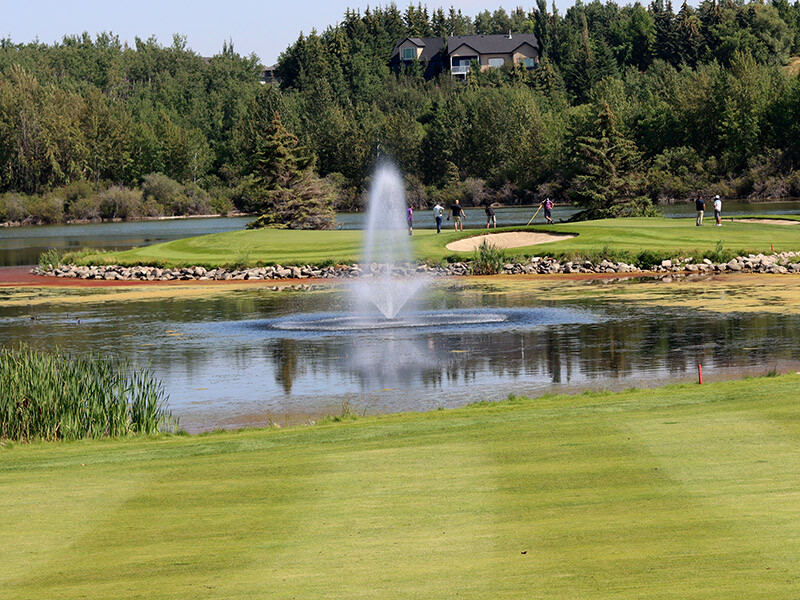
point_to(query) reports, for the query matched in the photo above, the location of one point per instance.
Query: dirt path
(510, 239)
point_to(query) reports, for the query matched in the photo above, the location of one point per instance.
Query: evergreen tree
(609, 182)
(641, 35)
(288, 193)
(666, 32)
(690, 38)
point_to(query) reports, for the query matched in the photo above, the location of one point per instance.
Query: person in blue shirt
(700, 206)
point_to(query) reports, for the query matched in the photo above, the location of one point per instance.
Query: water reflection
(221, 369)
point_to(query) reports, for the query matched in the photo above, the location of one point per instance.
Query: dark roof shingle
(492, 44)
(431, 46)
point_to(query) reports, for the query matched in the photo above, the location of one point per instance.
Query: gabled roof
(431, 46)
(492, 44)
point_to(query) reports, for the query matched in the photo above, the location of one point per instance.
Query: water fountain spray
(387, 253)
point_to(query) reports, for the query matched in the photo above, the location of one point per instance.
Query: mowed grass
(268, 246)
(681, 492)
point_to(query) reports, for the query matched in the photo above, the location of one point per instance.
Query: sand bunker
(769, 221)
(511, 239)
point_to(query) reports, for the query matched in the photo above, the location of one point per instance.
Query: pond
(23, 245)
(254, 355)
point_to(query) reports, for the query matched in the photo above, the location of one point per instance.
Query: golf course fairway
(683, 492)
(671, 237)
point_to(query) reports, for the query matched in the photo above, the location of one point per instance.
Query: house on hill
(429, 51)
(457, 54)
(491, 51)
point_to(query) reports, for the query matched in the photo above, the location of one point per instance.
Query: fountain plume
(387, 247)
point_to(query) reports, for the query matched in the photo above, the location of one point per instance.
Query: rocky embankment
(787, 262)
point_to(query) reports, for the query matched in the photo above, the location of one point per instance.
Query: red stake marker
(700, 373)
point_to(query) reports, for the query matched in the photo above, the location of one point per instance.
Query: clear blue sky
(264, 27)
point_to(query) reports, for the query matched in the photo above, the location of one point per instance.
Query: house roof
(431, 46)
(492, 44)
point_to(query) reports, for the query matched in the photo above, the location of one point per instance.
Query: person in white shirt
(438, 211)
(718, 210)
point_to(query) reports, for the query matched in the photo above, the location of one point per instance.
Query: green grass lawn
(681, 492)
(269, 246)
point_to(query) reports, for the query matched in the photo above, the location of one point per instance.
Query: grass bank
(684, 491)
(612, 238)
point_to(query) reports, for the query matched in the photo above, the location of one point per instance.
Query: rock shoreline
(782, 263)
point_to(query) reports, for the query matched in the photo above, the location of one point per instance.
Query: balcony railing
(460, 70)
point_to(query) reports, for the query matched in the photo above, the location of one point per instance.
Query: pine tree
(666, 41)
(609, 183)
(287, 191)
(689, 39)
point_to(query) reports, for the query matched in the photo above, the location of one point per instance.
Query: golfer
(458, 215)
(718, 210)
(548, 211)
(700, 206)
(410, 220)
(490, 217)
(438, 211)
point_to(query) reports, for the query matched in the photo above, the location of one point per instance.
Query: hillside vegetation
(700, 97)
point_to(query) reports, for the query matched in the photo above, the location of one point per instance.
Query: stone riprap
(783, 263)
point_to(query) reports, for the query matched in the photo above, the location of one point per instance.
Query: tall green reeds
(50, 258)
(57, 396)
(487, 259)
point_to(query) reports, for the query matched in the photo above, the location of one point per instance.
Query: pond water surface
(249, 356)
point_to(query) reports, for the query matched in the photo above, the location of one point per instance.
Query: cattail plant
(57, 396)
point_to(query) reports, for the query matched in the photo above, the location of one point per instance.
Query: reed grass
(56, 396)
(51, 258)
(487, 259)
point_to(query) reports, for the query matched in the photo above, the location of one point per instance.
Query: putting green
(688, 491)
(270, 246)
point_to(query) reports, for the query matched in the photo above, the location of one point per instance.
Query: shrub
(121, 203)
(474, 191)
(85, 208)
(220, 199)
(12, 208)
(77, 190)
(199, 202)
(168, 193)
(487, 260)
(44, 209)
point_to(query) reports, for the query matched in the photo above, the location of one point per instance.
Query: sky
(265, 28)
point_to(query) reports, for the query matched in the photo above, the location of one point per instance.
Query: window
(528, 62)
(496, 62)
(408, 53)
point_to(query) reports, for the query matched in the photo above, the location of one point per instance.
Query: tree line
(694, 101)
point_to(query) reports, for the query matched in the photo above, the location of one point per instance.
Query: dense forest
(674, 103)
